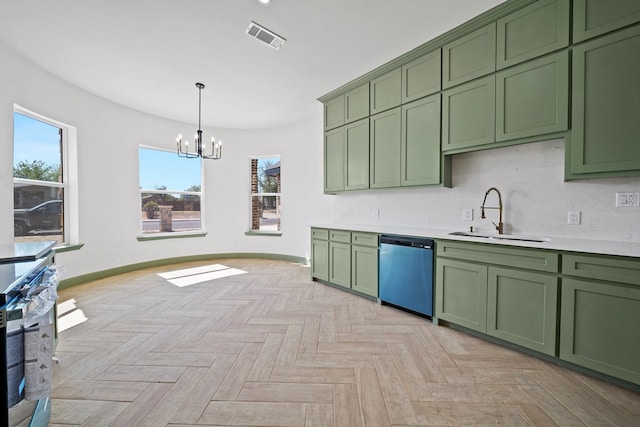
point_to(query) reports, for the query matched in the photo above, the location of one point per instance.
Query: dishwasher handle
(414, 242)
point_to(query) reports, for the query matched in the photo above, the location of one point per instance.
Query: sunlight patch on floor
(192, 276)
(71, 319)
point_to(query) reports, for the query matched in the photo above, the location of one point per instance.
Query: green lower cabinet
(522, 307)
(364, 270)
(599, 327)
(320, 259)
(340, 264)
(461, 293)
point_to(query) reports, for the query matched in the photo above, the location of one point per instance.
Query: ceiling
(148, 54)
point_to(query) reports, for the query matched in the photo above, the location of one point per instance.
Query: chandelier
(200, 149)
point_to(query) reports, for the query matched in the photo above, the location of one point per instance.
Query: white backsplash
(535, 196)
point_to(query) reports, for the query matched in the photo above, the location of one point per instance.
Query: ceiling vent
(264, 35)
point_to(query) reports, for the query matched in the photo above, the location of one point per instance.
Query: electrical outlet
(573, 218)
(467, 214)
(627, 199)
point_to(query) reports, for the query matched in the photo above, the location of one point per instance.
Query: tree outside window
(38, 180)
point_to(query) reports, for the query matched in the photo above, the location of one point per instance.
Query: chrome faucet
(499, 226)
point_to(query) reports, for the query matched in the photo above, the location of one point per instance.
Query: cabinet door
(422, 76)
(605, 88)
(334, 160)
(386, 91)
(532, 31)
(340, 264)
(469, 57)
(384, 149)
(357, 152)
(356, 103)
(364, 270)
(420, 149)
(533, 98)
(334, 113)
(595, 17)
(599, 327)
(468, 114)
(461, 293)
(320, 259)
(522, 307)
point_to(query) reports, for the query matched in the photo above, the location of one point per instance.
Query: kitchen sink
(501, 237)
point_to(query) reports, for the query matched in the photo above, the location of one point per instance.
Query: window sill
(66, 247)
(263, 233)
(164, 236)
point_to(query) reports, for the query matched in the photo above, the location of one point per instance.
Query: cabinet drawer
(613, 269)
(320, 233)
(500, 255)
(340, 236)
(364, 239)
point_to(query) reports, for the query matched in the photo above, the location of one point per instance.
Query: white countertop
(605, 247)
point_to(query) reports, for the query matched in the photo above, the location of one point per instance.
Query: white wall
(108, 139)
(530, 178)
(536, 199)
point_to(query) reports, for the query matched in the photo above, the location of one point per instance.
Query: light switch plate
(467, 214)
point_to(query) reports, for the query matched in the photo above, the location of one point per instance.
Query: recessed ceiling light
(264, 1)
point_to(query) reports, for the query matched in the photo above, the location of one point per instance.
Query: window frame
(172, 234)
(278, 196)
(68, 166)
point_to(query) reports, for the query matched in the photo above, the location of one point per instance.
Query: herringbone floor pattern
(272, 348)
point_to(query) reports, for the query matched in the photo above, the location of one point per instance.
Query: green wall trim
(171, 236)
(68, 248)
(78, 280)
(262, 233)
(471, 25)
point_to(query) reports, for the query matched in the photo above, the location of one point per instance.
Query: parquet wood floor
(272, 348)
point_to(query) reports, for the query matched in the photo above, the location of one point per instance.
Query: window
(170, 192)
(39, 179)
(265, 194)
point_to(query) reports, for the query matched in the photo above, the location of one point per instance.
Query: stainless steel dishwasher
(406, 273)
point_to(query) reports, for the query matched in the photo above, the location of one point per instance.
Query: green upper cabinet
(592, 18)
(357, 155)
(469, 57)
(422, 76)
(420, 144)
(334, 160)
(468, 114)
(356, 103)
(533, 98)
(386, 91)
(532, 31)
(384, 149)
(605, 105)
(334, 113)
